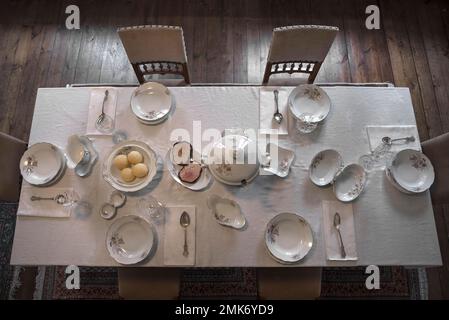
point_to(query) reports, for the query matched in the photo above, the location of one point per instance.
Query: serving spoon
(277, 115)
(184, 221)
(337, 222)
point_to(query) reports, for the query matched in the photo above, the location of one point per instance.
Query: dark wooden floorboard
(228, 41)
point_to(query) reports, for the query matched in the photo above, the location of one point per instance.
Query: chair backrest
(299, 49)
(155, 50)
(12, 150)
(437, 149)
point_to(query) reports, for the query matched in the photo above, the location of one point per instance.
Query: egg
(140, 170)
(127, 175)
(121, 161)
(135, 157)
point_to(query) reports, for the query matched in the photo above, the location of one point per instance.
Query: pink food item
(190, 173)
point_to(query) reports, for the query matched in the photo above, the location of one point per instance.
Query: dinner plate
(288, 237)
(412, 170)
(42, 164)
(130, 239)
(349, 183)
(234, 160)
(324, 166)
(309, 103)
(151, 103)
(112, 175)
(203, 181)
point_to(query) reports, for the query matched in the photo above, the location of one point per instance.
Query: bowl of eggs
(130, 166)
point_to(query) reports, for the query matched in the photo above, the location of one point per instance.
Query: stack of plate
(42, 164)
(131, 239)
(410, 171)
(151, 103)
(309, 102)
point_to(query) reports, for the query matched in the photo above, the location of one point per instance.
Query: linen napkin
(95, 104)
(174, 237)
(376, 133)
(43, 208)
(267, 108)
(347, 230)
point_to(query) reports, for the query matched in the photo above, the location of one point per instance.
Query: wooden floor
(228, 41)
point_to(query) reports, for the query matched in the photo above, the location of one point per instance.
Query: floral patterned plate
(226, 212)
(288, 238)
(349, 183)
(412, 170)
(310, 100)
(130, 239)
(42, 164)
(151, 103)
(324, 167)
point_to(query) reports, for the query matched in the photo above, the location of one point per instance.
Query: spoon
(60, 198)
(389, 141)
(337, 221)
(277, 115)
(184, 221)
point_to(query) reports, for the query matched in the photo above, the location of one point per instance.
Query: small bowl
(349, 183)
(117, 199)
(324, 167)
(108, 211)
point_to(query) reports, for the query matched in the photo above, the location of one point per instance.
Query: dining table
(391, 228)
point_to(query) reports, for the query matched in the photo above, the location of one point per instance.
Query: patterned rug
(198, 283)
(7, 225)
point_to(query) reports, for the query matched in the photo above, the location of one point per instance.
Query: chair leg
(267, 73)
(314, 73)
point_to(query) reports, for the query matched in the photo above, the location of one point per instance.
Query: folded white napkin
(376, 133)
(267, 109)
(95, 104)
(43, 208)
(347, 230)
(174, 237)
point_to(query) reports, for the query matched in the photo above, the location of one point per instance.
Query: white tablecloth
(391, 228)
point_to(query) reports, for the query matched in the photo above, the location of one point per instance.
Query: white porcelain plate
(309, 102)
(288, 237)
(130, 239)
(42, 164)
(349, 183)
(203, 181)
(112, 175)
(412, 170)
(151, 102)
(324, 166)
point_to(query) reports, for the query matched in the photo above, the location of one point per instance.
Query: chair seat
(149, 283)
(289, 283)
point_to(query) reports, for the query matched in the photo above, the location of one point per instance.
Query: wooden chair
(289, 283)
(297, 49)
(10, 179)
(149, 283)
(155, 51)
(437, 149)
